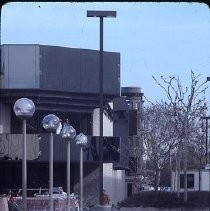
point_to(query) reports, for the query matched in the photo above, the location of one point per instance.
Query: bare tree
(159, 138)
(184, 105)
(197, 146)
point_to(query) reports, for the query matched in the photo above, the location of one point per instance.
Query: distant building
(196, 180)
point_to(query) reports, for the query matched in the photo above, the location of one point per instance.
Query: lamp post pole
(51, 172)
(68, 174)
(68, 133)
(101, 15)
(24, 168)
(207, 143)
(24, 108)
(81, 179)
(206, 136)
(51, 124)
(81, 140)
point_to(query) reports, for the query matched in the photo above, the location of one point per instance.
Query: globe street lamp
(101, 15)
(51, 124)
(81, 140)
(68, 133)
(24, 108)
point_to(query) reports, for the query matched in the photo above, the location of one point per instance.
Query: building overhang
(55, 100)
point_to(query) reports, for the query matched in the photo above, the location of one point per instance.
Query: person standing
(106, 198)
(12, 205)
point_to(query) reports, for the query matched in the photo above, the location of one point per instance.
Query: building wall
(91, 187)
(20, 66)
(127, 115)
(58, 68)
(204, 180)
(11, 145)
(5, 118)
(107, 124)
(113, 180)
(114, 183)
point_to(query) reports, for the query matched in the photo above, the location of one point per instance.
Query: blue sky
(153, 38)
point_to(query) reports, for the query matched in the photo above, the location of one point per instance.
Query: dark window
(190, 181)
(129, 189)
(132, 122)
(111, 149)
(133, 164)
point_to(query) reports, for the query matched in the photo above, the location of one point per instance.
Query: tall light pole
(207, 161)
(68, 133)
(101, 15)
(51, 124)
(81, 140)
(206, 136)
(24, 108)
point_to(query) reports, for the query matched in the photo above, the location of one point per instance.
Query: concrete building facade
(64, 81)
